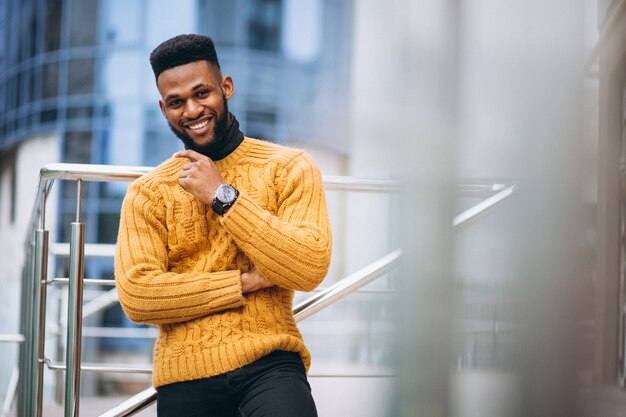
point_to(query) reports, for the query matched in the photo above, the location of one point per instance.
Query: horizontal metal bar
(480, 208)
(100, 368)
(65, 281)
(93, 172)
(117, 173)
(91, 249)
(111, 283)
(147, 369)
(343, 183)
(14, 338)
(479, 190)
(347, 285)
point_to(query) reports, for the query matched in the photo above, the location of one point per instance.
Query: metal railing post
(25, 399)
(39, 319)
(75, 312)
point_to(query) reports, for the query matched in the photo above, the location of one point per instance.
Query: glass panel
(3, 92)
(48, 115)
(77, 147)
(52, 38)
(217, 19)
(264, 24)
(3, 34)
(19, 95)
(84, 18)
(108, 224)
(123, 25)
(80, 112)
(35, 74)
(50, 80)
(12, 91)
(81, 76)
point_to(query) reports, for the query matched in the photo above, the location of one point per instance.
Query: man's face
(194, 102)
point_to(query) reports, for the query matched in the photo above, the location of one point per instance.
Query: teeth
(199, 125)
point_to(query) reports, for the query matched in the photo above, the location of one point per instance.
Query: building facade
(76, 72)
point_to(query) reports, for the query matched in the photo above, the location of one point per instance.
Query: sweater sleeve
(292, 248)
(148, 291)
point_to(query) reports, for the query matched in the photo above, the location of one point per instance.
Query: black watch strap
(220, 207)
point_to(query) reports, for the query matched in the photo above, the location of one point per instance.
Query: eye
(202, 93)
(174, 103)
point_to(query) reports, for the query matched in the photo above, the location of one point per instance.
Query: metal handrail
(12, 338)
(347, 285)
(475, 211)
(102, 173)
(134, 404)
(109, 173)
(92, 281)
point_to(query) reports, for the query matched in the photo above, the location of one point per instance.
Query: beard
(218, 135)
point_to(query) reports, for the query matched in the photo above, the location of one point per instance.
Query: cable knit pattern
(178, 264)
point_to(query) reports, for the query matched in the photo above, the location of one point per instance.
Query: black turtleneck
(229, 141)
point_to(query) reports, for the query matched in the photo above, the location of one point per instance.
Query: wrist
(223, 198)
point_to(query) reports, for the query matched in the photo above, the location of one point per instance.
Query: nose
(193, 109)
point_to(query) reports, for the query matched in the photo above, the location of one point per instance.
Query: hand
(199, 176)
(254, 281)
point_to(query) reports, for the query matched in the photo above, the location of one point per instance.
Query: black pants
(273, 386)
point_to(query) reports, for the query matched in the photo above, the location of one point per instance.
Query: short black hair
(181, 50)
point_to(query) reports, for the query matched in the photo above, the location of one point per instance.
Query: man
(211, 246)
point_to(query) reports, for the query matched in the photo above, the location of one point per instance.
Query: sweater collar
(232, 139)
(235, 155)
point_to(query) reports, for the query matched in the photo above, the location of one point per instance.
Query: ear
(228, 86)
(162, 106)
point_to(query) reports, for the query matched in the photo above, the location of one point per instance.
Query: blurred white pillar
(489, 89)
(426, 127)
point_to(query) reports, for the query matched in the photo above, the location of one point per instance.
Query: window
(50, 80)
(218, 19)
(84, 18)
(81, 76)
(264, 24)
(77, 147)
(52, 38)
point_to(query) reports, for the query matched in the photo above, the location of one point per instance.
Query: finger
(188, 166)
(189, 154)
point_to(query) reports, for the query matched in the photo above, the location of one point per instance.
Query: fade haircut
(181, 50)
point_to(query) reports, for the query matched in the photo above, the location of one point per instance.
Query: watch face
(226, 193)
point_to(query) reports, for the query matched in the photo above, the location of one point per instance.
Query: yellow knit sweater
(178, 264)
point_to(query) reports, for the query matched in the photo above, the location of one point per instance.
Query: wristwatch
(225, 197)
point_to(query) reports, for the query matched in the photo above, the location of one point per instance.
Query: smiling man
(211, 247)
